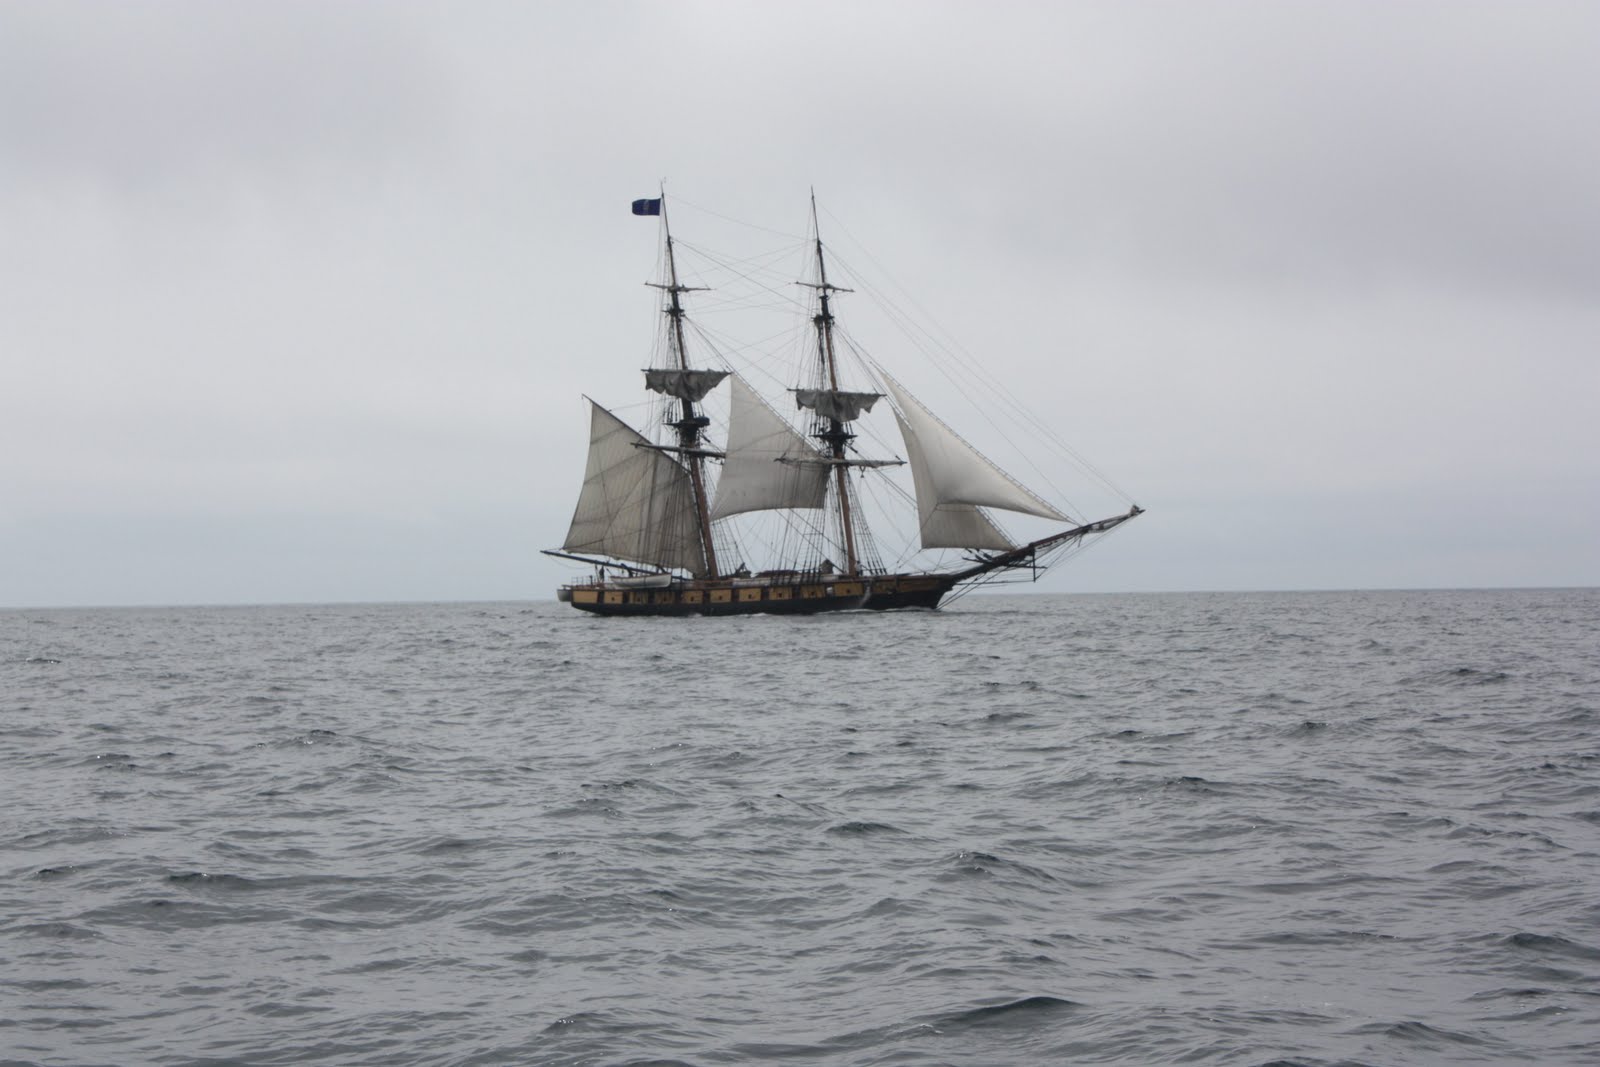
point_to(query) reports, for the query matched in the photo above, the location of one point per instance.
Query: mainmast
(692, 422)
(835, 436)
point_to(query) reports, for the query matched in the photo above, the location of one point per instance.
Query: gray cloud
(137, 97)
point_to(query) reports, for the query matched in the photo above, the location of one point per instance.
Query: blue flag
(647, 207)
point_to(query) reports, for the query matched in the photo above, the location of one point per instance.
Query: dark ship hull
(808, 592)
(792, 594)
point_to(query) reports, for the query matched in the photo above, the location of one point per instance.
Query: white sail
(946, 525)
(768, 464)
(690, 385)
(953, 480)
(637, 503)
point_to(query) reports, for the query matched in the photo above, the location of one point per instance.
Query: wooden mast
(692, 422)
(836, 435)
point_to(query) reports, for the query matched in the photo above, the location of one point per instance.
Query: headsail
(946, 525)
(768, 464)
(953, 480)
(637, 503)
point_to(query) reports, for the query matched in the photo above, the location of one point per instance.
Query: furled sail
(637, 503)
(690, 385)
(953, 480)
(835, 403)
(768, 464)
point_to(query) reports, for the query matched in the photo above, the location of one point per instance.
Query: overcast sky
(297, 300)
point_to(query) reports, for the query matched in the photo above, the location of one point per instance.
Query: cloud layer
(300, 298)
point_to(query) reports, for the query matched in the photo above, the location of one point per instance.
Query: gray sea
(1293, 828)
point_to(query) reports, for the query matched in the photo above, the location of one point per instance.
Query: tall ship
(671, 519)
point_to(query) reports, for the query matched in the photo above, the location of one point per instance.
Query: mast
(691, 422)
(835, 435)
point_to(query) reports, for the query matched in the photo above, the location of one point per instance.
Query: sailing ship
(659, 519)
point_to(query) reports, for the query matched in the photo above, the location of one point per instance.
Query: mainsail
(768, 464)
(637, 503)
(953, 480)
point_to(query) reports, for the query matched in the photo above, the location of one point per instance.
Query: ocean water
(1310, 828)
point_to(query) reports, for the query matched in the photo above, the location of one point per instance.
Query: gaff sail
(637, 503)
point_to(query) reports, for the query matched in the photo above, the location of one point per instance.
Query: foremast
(690, 423)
